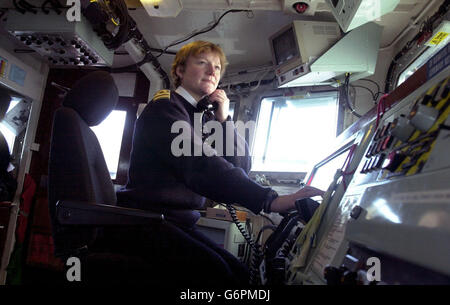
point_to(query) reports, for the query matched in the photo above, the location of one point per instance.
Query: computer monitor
(323, 172)
(300, 41)
(285, 46)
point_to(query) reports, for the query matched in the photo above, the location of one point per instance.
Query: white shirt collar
(187, 96)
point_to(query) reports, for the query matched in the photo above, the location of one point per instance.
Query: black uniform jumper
(176, 185)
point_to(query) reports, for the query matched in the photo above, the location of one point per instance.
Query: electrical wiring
(149, 57)
(378, 88)
(116, 12)
(103, 13)
(266, 217)
(202, 31)
(234, 88)
(371, 81)
(119, 8)
(260, 79)
(19, 8)
(371, 92)
(426, 28)
(381, 109)
(374, 95)
(345, 166)
(264, 228)
(28, 7)
(55, 5)
(257, 256)
(344, 89)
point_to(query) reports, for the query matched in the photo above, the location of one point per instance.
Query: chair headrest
(5, 99)
(94, 97)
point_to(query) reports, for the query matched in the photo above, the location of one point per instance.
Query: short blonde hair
(193, 49)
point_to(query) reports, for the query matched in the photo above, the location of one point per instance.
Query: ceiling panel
(244, 37)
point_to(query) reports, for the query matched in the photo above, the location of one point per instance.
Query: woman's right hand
(286, 203)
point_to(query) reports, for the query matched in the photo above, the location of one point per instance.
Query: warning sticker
(438, 38)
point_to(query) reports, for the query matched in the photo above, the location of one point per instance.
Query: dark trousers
(161, 254)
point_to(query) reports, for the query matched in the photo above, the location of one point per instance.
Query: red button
(387, 142)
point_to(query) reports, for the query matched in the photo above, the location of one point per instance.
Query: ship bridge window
(294, 132)
(109, 133)
(7, 130)
(413, 67)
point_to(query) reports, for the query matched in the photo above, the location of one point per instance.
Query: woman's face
(201, 74)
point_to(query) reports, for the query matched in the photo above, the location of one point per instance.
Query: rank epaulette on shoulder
(161, 94)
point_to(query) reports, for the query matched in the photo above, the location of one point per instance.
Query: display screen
(323, 173)
(285, 46)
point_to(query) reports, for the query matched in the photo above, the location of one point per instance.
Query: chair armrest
(69, 212)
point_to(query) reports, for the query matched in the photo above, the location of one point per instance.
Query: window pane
(412, 68)
(231, 110)
(6, 130)
(109, 134)
(298, 135)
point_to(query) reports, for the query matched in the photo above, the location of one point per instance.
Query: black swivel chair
(82, 200)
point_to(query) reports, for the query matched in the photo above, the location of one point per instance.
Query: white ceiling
(244, 38)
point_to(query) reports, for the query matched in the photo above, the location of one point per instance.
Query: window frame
(130, 105)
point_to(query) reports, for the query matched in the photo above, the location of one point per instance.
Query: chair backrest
(77, 167)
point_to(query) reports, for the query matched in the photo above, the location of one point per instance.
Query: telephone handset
(206, 104)
(278, 246)
(207, 113)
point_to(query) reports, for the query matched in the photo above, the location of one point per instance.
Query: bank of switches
(402, 145)
(59, 41)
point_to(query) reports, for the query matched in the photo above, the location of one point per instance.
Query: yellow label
(438, 38)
